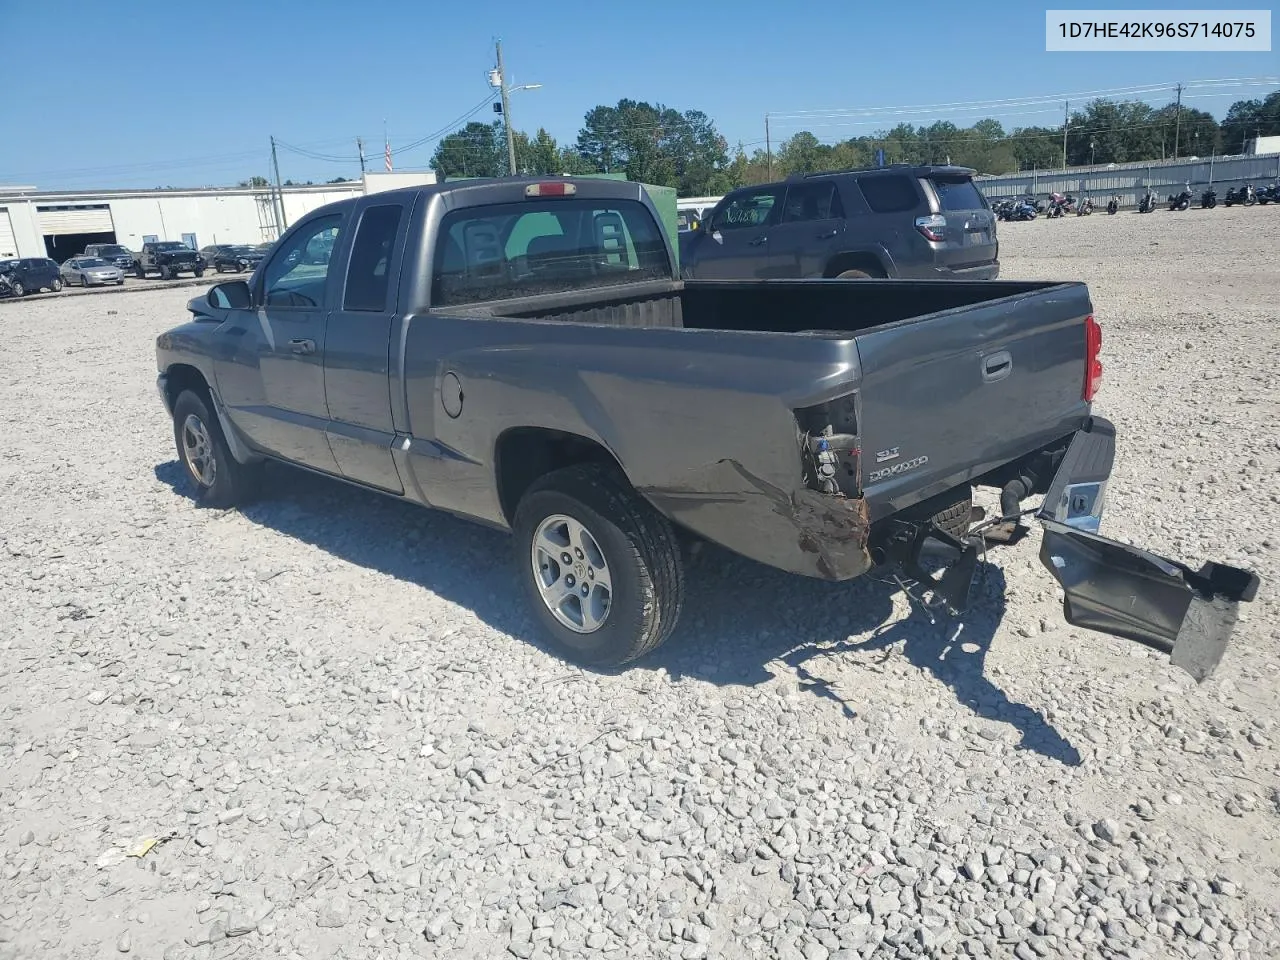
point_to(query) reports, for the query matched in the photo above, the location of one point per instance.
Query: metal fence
(1130, 180)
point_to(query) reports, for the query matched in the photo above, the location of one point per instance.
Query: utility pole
(360, 150)
(1177, 122)
(1066, 122)
(282, 224)
(768, 145)
(506, 112)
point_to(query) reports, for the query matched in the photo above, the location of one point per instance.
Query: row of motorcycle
(1028, 208)
(1059, 205)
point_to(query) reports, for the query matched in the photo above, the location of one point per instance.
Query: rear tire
(853, 275)
(641, 561)
(56, 286)
(18, 289)
(200, 272)
(218, 478)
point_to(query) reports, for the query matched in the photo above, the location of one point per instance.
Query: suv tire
(955, 520)
(599, 522)
(853, 275)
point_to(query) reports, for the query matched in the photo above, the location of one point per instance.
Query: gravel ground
(329, 712)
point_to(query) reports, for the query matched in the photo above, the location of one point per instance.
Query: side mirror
(232, 295)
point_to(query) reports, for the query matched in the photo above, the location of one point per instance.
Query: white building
(58, 224)
(1263, 145)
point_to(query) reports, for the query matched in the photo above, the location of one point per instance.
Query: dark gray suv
(915, 222)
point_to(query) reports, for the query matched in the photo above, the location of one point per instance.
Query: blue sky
(316, 74)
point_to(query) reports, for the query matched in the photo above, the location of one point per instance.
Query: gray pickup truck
(521, 353)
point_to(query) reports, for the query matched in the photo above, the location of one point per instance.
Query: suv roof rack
(925, 168)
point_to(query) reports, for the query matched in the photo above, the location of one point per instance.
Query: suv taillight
(932, 227)
(1092, 365)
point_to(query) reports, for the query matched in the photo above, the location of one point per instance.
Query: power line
(1023, 101)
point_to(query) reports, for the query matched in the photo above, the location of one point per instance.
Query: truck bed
(949, 380)
(765, 306)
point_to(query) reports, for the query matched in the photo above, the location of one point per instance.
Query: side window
(812, 201)
(752, 209)
(889, 194)
(296, 275)
(369, 275)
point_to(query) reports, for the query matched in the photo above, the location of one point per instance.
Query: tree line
(653, 143)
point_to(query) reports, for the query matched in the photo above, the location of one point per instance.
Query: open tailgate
(1126, 591)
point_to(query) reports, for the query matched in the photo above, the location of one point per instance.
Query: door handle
(997, 366)
(304, 347)
(758, 241)
(828, 235)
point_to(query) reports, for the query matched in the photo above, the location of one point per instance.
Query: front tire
(200, 272)
(219, 479)
(56, 286)
(585, 528)
(18, 289)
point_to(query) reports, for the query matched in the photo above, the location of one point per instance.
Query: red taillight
(1092, 365)
(932, 227)
(552, 189)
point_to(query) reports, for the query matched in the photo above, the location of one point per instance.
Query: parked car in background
(902, 222)
(236, 258)
(212, 251)
(115, 253)
(168, 258)
(91, 272)
(31, 275)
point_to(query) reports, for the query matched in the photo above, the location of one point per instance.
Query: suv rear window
(889, 193)
(545, 246)
(956, 193)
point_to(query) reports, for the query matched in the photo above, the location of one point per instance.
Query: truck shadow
(743, 623)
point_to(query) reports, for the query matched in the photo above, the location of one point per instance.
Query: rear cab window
(889, 193)
(501, 251)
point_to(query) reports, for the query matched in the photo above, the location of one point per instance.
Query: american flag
(388, 156)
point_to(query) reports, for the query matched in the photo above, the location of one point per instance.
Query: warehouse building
(59, 224)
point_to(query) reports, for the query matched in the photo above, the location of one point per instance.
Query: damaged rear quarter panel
(701, 422)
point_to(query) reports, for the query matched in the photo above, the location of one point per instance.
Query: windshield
(545, 246)
(170, 245)
(91, 262)
(245, 248)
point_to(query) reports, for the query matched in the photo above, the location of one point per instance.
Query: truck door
(269, 370)
(808, 235)
(357, 349)
(734, 243)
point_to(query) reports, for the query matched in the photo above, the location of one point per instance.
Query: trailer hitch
(902, 548)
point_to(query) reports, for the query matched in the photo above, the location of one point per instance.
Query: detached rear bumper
(1126, 591)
